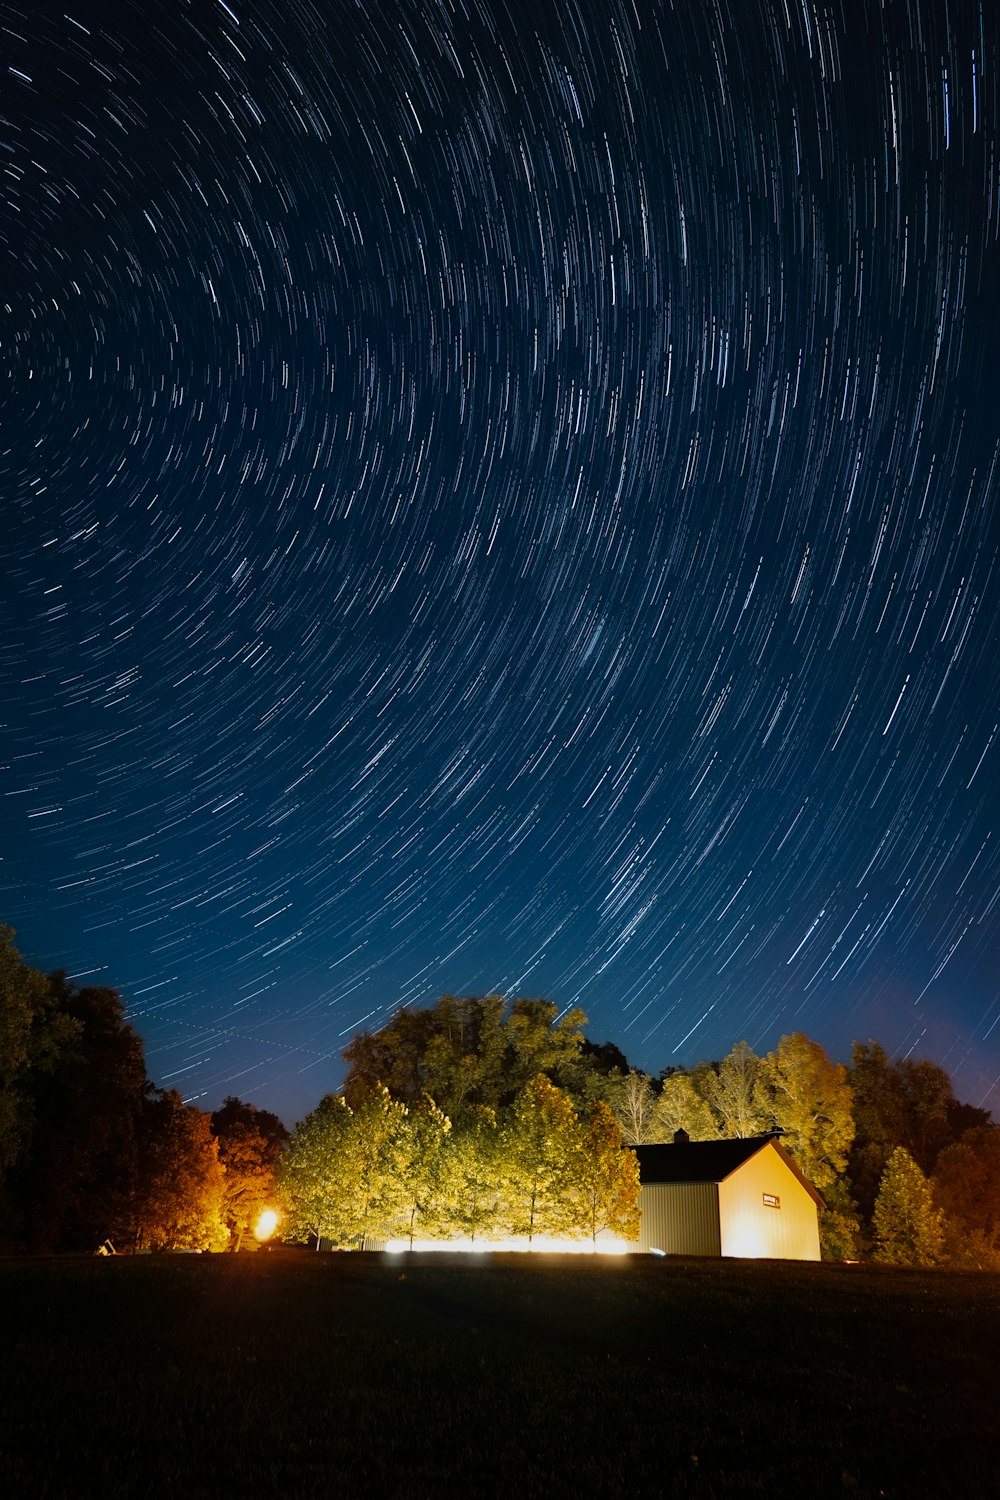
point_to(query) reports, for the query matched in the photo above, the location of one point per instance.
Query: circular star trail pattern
(504, 497)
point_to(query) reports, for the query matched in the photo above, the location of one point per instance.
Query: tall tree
(79, 1167)
(33, 1033)
(178, 1200)
(608, 1177)
(250, 1142)
(427, 1176)
(680, 1106)
(634, 1105)
(343, 1175)
(543, 1142)
(809, 1098)
(467, 1052)
(909, 1228)
(731, 1091)
(908, 1103)
(477, 1188)
(309, 1174)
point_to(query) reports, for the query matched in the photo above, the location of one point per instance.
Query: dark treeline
(91, 1150)
(472, 1116)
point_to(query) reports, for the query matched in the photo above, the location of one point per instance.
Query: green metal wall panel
(680, 1218)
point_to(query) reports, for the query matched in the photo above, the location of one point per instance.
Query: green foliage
(809, 1098)
(543, 1148)
(680, 1106)
(308, 1172)
(839, 1223)
(908, 1103)
(731, 1090)
(909, 1229)
(428, 1179)
(468, 1052)
(477, 1177)
(33, 1032)
(344, 1173)
(78, 1167)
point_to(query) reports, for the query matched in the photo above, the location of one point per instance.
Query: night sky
(504, 496)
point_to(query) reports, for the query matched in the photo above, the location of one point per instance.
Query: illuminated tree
(681, 1107)
(608, 1186)
(427, 1175)
(809, 1098)
(909, 1228)
(731, 1091)
(309, 1172)
(477, 1187)
(634, 1105)
(543, 1144)
(343, 1176)
(178, 1201)
(250, 1142)
(394, 1057)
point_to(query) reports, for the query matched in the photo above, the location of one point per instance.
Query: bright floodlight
(265, 1225)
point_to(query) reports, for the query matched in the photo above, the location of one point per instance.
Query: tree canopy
(466, 1052)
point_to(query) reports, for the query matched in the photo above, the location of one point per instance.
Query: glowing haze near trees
(503, 499)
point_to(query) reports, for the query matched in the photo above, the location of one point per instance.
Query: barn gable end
(738, 1197)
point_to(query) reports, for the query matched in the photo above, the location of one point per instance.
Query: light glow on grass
(540, 1244)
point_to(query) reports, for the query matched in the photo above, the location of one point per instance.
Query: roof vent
(681, 1137)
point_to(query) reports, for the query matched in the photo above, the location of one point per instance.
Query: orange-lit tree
(250, 1142)
(808, 1096)
(966, 1185)
(608, 1184)
(177, 1204)
(681, 1106)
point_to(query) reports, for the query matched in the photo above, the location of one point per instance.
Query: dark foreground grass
(290, 1374)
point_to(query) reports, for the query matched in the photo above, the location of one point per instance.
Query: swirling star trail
(504, 496)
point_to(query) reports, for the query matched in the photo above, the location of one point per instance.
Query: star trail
(504, 497)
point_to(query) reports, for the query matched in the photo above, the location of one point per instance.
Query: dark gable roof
(710, 1161)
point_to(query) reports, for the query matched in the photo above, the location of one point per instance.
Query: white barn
(735, 1197)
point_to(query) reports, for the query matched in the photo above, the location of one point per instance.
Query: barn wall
(680, 1218)
(750, 1228)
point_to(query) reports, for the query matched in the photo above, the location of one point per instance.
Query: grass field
(292, 1374)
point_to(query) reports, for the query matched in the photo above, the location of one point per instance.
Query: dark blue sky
(504, 497)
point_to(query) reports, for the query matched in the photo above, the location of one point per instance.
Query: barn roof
(710, 1161)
